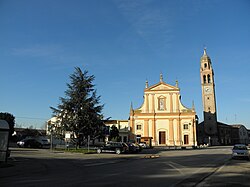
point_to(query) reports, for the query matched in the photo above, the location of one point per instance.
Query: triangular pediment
(161, 86)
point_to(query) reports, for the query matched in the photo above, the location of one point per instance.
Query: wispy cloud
(153, 25)
(56, 56)
(38, 50)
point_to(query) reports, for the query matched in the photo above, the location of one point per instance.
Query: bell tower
(208, 100)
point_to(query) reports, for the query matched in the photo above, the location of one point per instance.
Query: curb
(152, 156)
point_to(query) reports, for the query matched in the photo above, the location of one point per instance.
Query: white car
(240, 151)
(143, 145)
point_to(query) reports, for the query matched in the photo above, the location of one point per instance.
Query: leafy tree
(56, 129)
(10, 119)
(79, 111)
(114, 133)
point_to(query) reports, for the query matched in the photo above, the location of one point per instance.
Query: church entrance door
(186, 139)
(162, 137)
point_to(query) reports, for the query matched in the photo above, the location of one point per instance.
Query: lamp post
(193, 133)
(88, 142)
(51, 138)
(50, 128)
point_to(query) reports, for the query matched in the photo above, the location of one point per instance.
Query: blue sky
(122, 43)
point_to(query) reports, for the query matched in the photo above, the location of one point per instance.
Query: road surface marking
(171, 164)
(100, 163)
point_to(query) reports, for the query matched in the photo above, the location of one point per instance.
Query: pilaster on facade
(146, 128)
(153, 103)
(171, 102)
(147, 103)
(171, 132)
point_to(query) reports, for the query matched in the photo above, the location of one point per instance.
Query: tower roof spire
(205, 51)
(161, 77)
(146, 86)
(205, 56)
(131, 107)
(193, 106)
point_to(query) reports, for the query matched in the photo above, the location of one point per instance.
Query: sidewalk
(234, 172)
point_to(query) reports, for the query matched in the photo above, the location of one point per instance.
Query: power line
(31, 118)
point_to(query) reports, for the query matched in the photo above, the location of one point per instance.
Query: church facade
(162, 119)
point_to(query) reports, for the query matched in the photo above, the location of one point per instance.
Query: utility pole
(51, 140)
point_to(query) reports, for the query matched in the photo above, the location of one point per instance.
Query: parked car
(134, 148)
(45, 143)
(33, 143)
(143, 145)
(113, 147)
(139, 147)
(240, 151)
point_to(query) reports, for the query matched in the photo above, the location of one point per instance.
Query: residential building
(122, 126)
(248, 136)
(21, 133)
(226, 132)
(240, 134)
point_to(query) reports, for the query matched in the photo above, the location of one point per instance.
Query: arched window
(161, 103)
(208, 78)
(204, 79)
(205, 65)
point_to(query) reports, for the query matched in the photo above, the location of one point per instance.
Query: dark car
(113, 147)
(134, 148)
(31, 143)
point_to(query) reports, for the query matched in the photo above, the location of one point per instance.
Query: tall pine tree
(80, 111)
(114, 133)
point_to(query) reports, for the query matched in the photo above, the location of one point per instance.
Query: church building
(162, 119)
(208, 130)
(211, 131)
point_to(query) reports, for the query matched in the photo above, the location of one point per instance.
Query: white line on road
(174, 167)
(100, 163)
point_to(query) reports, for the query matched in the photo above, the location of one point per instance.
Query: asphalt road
(158, 167)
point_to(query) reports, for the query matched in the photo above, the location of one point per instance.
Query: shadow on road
(180, 169)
